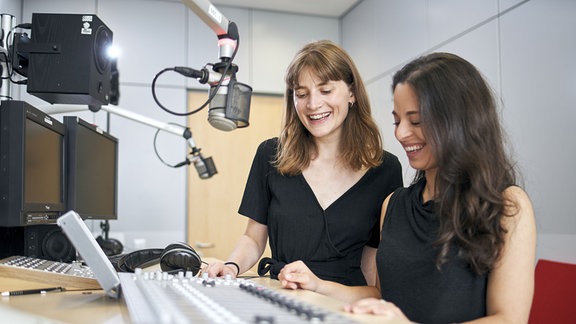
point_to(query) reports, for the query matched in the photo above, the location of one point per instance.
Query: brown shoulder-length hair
(361, 143)
(459, 118)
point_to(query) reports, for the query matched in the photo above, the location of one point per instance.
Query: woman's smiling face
(408, 128)
(321, 106)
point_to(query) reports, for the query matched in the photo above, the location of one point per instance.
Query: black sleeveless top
(330, 241)
(407, 271)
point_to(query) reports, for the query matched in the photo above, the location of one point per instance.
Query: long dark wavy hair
(459, 118)
(361, 143)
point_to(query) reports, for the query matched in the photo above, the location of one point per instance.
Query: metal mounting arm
(204, 166)
(211, 16)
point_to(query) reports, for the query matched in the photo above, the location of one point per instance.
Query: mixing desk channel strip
(56, 273)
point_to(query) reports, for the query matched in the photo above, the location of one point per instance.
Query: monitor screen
(32, 153)
(43, 152)
(92, 170)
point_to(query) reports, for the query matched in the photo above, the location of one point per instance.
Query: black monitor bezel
(72, 123)
(16, 210)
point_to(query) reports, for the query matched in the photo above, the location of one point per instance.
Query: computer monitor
(32, 166)
(92, 170)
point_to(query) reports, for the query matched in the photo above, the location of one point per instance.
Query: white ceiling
(329, 8)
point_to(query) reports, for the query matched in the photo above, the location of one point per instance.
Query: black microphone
(204, 166)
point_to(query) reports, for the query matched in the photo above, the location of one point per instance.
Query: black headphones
(110, 246)
(174, 258)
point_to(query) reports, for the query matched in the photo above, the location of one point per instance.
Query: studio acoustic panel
(68, 61)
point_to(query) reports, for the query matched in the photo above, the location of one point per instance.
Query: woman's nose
(314, 101)
(402, 131)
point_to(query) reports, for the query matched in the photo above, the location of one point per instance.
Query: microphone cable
(8, 57)
(212, 95)
(185, 162)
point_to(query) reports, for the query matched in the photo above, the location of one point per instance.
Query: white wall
(526, 49)
(153, 35)
(11, 7)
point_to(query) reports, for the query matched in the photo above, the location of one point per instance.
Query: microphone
(230, 105)
(204, 166)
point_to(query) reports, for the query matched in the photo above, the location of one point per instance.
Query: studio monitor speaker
(68, 59)
(46, 242)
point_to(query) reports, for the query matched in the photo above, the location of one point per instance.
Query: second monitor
(92, 170)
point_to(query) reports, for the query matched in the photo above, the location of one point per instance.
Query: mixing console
(162, 298)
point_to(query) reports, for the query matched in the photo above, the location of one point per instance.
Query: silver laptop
(78, 233)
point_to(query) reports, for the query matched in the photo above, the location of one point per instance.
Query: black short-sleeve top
(330, 241)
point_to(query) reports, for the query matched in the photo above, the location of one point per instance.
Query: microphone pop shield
(230, 108)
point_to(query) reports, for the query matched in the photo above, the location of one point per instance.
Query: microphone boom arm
(204, 166)
(211, 16)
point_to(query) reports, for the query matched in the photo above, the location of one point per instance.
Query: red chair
(554, 293)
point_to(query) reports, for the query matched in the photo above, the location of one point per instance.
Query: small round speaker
(56, 246)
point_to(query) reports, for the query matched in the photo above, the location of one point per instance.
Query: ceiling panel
(328, 8)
